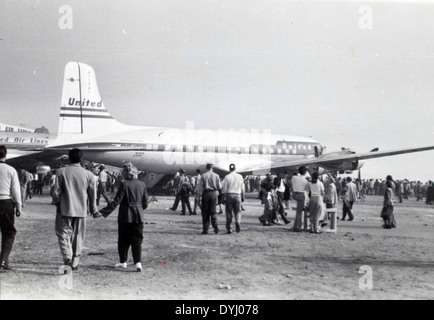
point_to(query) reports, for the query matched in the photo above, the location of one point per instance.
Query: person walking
(184, 193)
(209, 187)
(24, 179)
(10, 207)
(178, 180)
(281, 187)
(233, 191)
(349, 196)
(102, 185)
(74, 195)
(269, 200)
(132, 199)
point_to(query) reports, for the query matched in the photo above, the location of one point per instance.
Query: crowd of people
(77, 191)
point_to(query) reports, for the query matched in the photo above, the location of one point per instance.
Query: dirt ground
(259, 263)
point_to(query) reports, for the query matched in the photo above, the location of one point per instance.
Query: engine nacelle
(343, 166)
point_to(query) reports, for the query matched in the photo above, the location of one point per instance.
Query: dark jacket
(133, 200)
(185, 189)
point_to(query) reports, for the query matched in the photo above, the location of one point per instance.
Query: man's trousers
(300, 197)
(233, 208)
(70, 233)
(8, 231)
(102, 186)
(130, 235)
(209, 210)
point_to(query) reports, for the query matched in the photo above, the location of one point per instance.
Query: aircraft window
(284, 145)
(287, 150)
(279, 151)
(290, 147)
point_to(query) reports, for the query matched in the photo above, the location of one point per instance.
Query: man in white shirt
(233, 190)
(102, 185)
(10, 200)
(300, 187)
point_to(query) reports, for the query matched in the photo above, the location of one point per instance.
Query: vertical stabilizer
(82, 109)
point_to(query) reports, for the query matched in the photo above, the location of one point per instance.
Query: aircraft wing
(30, 159)
(343, 160)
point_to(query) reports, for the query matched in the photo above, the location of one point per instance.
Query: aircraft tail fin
(82, 109)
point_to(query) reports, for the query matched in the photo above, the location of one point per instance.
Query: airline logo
(84, 108)
(84, 103)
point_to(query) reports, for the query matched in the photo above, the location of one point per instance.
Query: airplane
(86, 123)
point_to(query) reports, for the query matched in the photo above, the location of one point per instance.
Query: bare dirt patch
(259, 263)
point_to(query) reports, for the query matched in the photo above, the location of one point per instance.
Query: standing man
(209, 187)
(184, 192)
(196, 197)
(233, 190)
(349, 196)
(24, 179)
(102, 185)
(29, 186)
(300, 187)
(10, 200)
(178, 180)
(74, 189)
(331, 194)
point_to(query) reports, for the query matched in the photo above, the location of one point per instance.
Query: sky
(346, 73)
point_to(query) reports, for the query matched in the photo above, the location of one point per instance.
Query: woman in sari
(316, 204)
(387, 212)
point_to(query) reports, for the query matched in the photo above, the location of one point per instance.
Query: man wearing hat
(209, 187)
(233, 190)
(102, 185)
